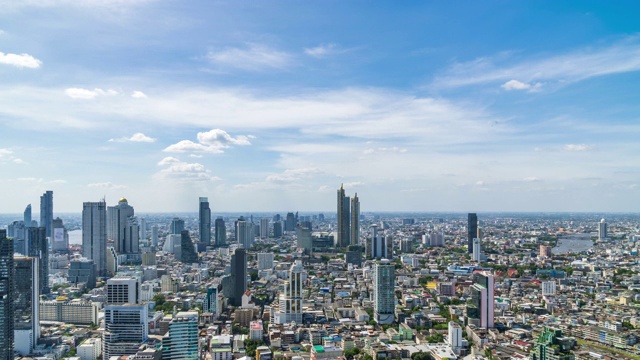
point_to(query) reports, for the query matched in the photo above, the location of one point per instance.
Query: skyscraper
(123, 290)
(290, 222)
(181, 341)
(94, 234)
(244, 233)
(220, 231)
(177, 225)
(378, 246)
(480, 311)
(60, 239)
(143, 229)
(384, 297)
(205, 221)
(125, 329)
(27, 216)
(235, 284)
(355, 220)
(118, 228)
(46, 211)
(26, 304)
(602, 230)
(477, 250)
(472, 230)
(38, 247)
(188, 253)
(154, 235)
(6, 297)
(264, 228)
(291, 298)
(344, 229)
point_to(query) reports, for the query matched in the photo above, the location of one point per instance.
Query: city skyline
(414, 106)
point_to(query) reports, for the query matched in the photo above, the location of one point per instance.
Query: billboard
(58, 234)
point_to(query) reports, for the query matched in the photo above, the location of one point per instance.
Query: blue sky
(271, 105)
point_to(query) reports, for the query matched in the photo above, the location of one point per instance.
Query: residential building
(94, 235)
(384, 298)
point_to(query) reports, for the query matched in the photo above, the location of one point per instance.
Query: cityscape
(310, 180)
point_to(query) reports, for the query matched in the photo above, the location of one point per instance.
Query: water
(573, 243)
(75, 237)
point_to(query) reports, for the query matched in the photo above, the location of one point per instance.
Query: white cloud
(106, 185)
(5, 152)
(253, 57)
(138, 95)
(20, 60)
(578, 147)
(19, 161)
(86, 94)
(531, 179)
(519, 85)
(176, 169)
(392, 149)
(137, 137)
(581, 64)
(212, 141)
(321, 50)
(291, 175)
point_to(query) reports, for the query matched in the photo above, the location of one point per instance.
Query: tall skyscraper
(60, 239)
(290, 222)
(477, 250)
(94, 234)
(177, 225)
(378, 246)
(384, 297)
(27, 216)
(344, 228)
(220, 231)
(46, 212)
(181, 341)
(602, 230)
(26, 304)
(38, 247)
(205, 221)
(291, 298)
(264, 228)
(245, 233)
(119, 227)
(154, 235)
(143, 229)
(7, 294)
(235, 284)
(277, 229)
(480, 311)
(472, 230)
(355, 220)
(210, 303)
(188, 254)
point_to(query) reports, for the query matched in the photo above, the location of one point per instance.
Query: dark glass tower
(189, 254)
(177, 225)
(472, 230)
(46, 212)
(235, 284)
(38, 247)
(220, 231)
(6, 296)
(205, 221)
(344, 228)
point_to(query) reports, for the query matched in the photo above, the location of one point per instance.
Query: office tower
(46, 212)
(265, 261)
(123, 290)
(125, 329)
(154, 235)
(406, 246)
(244, 233)
(210, 303)
(454, 338)
(177, 225)
(60, 238)
(291, 298)
(277, 229)
(94, 234)
(119, 228)
(7, 295)
(181, 341)
(38, 247)
(477, 250)
(205, 221)
(27, 216)
(481, 309)
(602, 230)
(552, 345)
(384, 297)
(290, 222)
(472, 230)
(111, 260)
(264, 228)
(235, 284)
(82, 271)
(344, 229)
(26, 295)
(305, 239)
(220, 231)
(143, 229)
(548, 288)
(355, 220)
(188, 253)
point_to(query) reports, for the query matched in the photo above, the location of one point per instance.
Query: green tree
(420, 356)
(351, 353)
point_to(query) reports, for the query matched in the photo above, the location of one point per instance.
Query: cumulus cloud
(20, 60)
(519, 85)
(86, 94)
(175, 169)
(106, 185)
(252, 57)
(5, 152)
(321, 50)
(578, 147)
(137, 137)
(212, 141)
(138, 95)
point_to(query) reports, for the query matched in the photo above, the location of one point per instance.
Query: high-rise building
(546, 251)
(477, 250)
(264, 228)
(205, 221)
(480, 312)
(60, 239)
(265, 261)
(154, 235)
(235, 284)
(123, 290)
(454, 338)
(290, 223)
(220, 231)
(245, 233)
(602, 230)
(304, 239)
(384, 297)
(38, 247)
(26, 303)
(112, 261)
(94, 234)
(210, 303)
(472, 230)
(378, 246)
(125, 329)
(551, 345)
(188, 254)
(46, 212)
(355, 220)
(7, 295)
(548, 288)
(27, 216)
(82, 271)
(181, 341)
(177, 225)
(344, 229)
(143, 229)
(291, 298)
(277, 229)
(119, 227)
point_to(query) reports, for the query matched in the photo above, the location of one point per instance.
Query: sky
(271, 105)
